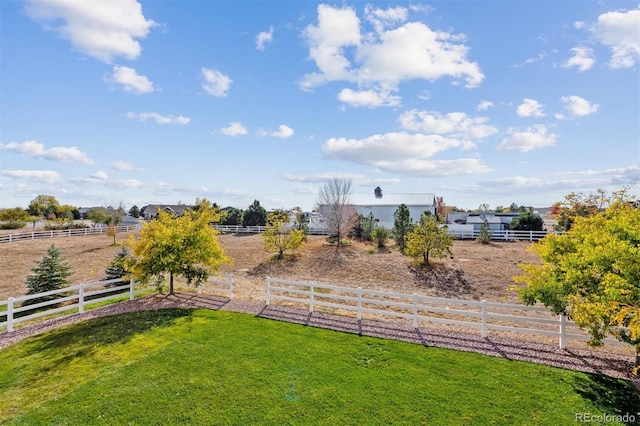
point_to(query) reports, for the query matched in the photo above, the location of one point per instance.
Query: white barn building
(384, 205)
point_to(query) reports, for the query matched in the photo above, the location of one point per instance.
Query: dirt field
(476, 271)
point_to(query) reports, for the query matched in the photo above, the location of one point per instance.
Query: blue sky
(108, 102)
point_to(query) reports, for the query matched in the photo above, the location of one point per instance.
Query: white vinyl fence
(224, 286)
(36, 235)
(77, 298)
(481, 315)
(67, 299)
(506, 235)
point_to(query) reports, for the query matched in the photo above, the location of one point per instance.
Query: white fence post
(132, 284)
(563, 325)
(268, 289)
(10, 314)
(484, 318)
(359, 314)
(311, 298)
(10, 237)
(415, 310)
(81, 299)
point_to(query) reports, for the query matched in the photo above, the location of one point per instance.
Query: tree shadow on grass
(610, 396)
(84, 338)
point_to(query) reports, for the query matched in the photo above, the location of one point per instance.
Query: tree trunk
(170, 282)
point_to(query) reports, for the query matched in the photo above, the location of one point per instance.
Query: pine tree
(51, 273)
(118, 266)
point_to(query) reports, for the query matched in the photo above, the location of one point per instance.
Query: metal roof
(416, 199)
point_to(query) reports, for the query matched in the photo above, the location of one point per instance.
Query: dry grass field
(476, 271)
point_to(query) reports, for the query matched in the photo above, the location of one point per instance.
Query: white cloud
(484, 105)
(582, 59)
(264, 37)
(455, 124)
(121, 166)
(100, 174)
(368, 98)
(104, 29)
(60, 153)
(336, 29)
(530, 108)
(422, 167)
(46, 176)
(358, 179)
(620, 31)
(283, 132)
(159, 119)
(131, 81)
(578, 25)
(384, 18)
(403, 153)
(578, 107)
(234, 129)
(215, 83)
(533, 137)
(386, 58)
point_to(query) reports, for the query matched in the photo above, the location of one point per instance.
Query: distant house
(473, 220)
(151, 211)
(384, 206)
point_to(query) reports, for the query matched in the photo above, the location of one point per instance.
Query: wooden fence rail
(481, 315)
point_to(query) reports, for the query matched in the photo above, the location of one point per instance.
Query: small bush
(484, 234)
(380, 236)
(12, 224)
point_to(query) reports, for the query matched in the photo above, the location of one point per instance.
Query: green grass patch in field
(181, 366)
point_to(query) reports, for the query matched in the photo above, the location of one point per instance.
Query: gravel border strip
(613, 365)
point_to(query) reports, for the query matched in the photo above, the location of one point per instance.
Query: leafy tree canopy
(280, 237)
(428, 240)
(43, 205)
(527, 221)
(592, 273)
(182, 246)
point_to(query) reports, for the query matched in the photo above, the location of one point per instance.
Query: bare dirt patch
(476, 271)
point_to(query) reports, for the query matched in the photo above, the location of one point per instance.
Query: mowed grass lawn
(181, 366)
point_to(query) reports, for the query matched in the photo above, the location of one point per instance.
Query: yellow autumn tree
(280, 237)
(592, 274)
(184, 246)
(428, 239)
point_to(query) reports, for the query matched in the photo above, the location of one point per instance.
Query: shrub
(484, 234)
(12, 224)
(380, 236)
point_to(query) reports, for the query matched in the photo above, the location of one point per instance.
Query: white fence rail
(506, 235)
(224, 286)
(481, 315)
(54, 233)
(69, 298)
(239, 229)
(77, 297)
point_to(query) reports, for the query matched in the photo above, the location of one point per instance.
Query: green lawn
(184, 366)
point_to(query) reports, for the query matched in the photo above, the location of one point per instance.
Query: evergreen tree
(51, 273)
(484, 234)
(255, 215)
(401, 225)
(118, 266)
